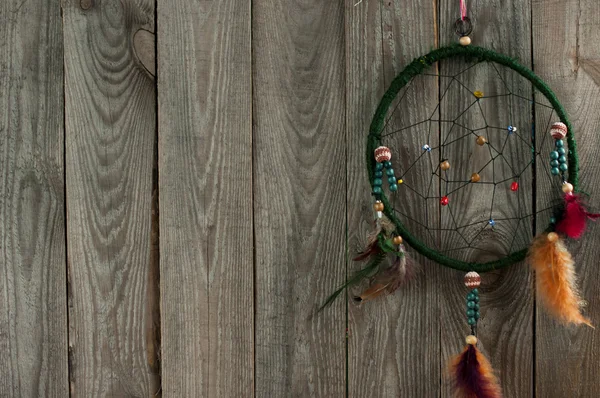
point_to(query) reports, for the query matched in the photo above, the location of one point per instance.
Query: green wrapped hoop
(417, 67)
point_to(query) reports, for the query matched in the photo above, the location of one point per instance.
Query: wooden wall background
(181, 183)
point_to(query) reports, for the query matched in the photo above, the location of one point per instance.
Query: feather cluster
(403, 270)
(387, 280)
(473, 375)
(574, 217)
(555, 278)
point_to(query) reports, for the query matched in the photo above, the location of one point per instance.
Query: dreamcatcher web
(439, 116)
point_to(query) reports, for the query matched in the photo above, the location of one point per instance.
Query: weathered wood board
(505, 329)
(299, 196)
(33, 285)
(380, 40)
(110, 129)
(205, 185)
(567, 57)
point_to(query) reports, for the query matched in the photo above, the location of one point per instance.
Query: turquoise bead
(379, 166)
(470, 297)
(387, 164)
(475, 292)
(377, 182)
(471, 304)
(561, 151)
(559, 143)
(392, 180)
(472, 321)
(393, 187)
(477, 315)
(562, 159)
(376, 189)
(554, 155)
(554, 163)
(390, 172)
(470, 313)
(476, 308)
(379, 174)
(552, 220)
(476, 299)
(555, 171)
(563, 167)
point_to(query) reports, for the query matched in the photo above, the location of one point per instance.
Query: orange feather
(555, 278)
(372, 292)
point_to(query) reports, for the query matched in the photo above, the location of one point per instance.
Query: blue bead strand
(472, 312)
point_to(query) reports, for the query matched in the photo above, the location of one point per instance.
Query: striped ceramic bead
(472, 280)
(382, 154)
(558, 130)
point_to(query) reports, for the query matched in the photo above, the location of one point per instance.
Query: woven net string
(487, 95)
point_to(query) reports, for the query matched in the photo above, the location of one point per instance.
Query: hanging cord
(463, 25)
(463, 10)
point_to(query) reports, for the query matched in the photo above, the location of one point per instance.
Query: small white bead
(567, 187)
(464, 40)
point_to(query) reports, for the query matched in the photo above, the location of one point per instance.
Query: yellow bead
(471, 340)
(481, 140)
(567, 187)
(464, 41)
(475, 177)
(478, 94)
(397, 240)
(552, 237)
(378, 206)
(400, 181)
(445, 165)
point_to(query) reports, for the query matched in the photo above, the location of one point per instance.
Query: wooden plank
(300, 196)
(382, 38)
(205, 164)
(110, 135)
(33, 305)
(505, 329)
(566, 55)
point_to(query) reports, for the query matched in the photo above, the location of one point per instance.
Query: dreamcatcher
(478, 161)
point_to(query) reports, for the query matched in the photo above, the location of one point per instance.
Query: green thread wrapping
(415, 68)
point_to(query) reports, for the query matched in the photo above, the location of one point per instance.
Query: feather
(473, 375)
(369, 270)
(574, 217)
(375, 238)
(372, 249)
(555, 278)
(403, 270)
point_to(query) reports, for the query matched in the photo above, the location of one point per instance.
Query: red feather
(474, 376)
(574, 218)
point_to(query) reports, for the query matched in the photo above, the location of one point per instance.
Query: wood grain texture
(33, 306)
(387, 352)
(110, 135)
(566, 55)
(300, 196)
(205, 182)
(505, 330)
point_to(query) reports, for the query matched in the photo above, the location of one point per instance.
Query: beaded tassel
(558, 157)
(573, 220)
(383, 157)
(472, 281)
(473, 375)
